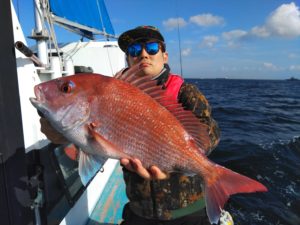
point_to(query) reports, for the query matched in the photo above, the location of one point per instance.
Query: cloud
(283, 22)
(295, 68)
(186, 52)
(209, 41)
(262, 32)
(292, 55)
(233, 37)
(173, 23)
(270, 66)
(206, 20)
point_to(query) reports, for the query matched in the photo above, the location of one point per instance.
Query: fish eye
(67, 87)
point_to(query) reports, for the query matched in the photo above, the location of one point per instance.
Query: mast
(52, 64)
(39, 33)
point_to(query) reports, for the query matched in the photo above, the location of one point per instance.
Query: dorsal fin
(199, 131)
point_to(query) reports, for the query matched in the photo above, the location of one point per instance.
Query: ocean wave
(260, 138)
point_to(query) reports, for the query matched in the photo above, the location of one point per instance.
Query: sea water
(260, 138)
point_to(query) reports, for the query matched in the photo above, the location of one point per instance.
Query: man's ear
(165, 57)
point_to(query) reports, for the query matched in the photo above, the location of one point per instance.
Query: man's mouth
(144, 64)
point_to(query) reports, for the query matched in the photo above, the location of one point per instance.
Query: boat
(292, 79)
(39, 182)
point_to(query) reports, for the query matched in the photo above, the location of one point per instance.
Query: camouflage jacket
(180, 194)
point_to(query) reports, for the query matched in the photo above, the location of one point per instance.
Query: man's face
(151, 64)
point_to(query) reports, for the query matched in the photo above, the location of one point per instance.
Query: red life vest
(173, 85)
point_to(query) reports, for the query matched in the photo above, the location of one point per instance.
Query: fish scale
(157, 140)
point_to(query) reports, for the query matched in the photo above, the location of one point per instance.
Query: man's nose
(144, 53)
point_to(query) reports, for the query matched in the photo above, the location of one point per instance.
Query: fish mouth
(64, 118)
(61, 122)
(39, 101)
(42, 111)
(35, 102)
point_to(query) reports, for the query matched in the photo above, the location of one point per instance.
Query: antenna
(179, 39)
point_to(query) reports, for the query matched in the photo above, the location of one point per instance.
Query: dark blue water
(260, 124)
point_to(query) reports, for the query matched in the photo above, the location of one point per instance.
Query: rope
(100, 17)
(107, 52)
(109, 60)
(74, 50)
(46, 8)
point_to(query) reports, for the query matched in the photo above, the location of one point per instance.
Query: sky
(237, 39)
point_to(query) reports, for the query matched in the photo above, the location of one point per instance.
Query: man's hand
(135, 165)
(50, 133)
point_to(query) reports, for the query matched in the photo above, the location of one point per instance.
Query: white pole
(55, 67)
(41, 43)
(69, 67)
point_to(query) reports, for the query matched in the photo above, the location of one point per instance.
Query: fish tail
(225, 183)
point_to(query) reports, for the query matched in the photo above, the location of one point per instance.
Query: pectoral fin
(108, 148)
(89, 165)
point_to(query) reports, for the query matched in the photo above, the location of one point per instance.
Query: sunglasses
(134, 50)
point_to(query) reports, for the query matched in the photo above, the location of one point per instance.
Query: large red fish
(130, 117)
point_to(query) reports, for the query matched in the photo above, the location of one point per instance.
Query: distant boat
(292, 79)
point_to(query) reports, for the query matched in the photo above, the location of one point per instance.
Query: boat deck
(108, 210)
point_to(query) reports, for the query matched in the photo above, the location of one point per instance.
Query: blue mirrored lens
(135, 50)
(152, 48)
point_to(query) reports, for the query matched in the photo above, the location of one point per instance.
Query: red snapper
(130, 117)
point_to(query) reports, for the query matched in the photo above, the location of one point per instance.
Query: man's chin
(145, 72)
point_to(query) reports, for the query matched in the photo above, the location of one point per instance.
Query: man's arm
(192, 99)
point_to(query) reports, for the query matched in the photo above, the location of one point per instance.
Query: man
(154, 196)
